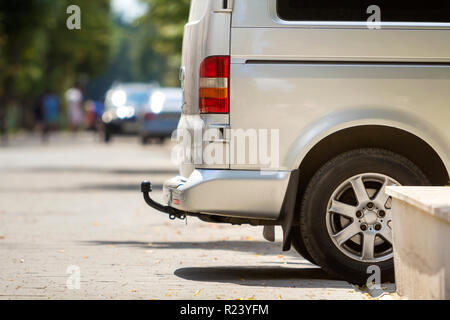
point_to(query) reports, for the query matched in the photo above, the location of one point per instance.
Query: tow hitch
(146, 188)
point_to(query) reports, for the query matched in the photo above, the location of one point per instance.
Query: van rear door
(206, 34)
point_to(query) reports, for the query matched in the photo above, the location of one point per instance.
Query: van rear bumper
(231, 193)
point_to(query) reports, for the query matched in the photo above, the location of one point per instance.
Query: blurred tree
(20, 50)
(147, 50)
(163, 28)
(122, 64)
(38, 52)
(76, 55)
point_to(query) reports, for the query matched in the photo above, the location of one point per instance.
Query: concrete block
(421, 240)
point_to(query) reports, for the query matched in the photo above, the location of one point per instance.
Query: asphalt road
(73, 226)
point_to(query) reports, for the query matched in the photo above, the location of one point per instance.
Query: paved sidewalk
(76, 202)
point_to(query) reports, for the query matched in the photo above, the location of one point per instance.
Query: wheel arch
(414, 137)
(399, 141)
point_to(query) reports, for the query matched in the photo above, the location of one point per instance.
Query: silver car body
(160, 116)
(123, 114)
(309, 80)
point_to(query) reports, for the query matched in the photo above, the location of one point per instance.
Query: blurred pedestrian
(50, 113)
(99, 109)
(74, 99)
(3, 136)
(38, 113)
(89, 115)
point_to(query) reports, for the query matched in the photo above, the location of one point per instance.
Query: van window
(356, 10)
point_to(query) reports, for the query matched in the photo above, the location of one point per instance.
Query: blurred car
(122, 105)
(161, 115)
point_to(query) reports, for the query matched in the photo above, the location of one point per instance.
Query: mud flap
(288, 209)
(269, 233)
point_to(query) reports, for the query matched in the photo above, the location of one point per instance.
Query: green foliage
(164, 24)
(149, 50)
(21, 49)
(78, 54)
(38, 52)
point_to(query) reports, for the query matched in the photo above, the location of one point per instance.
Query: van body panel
(302, 97)
(258, 33)
(300, 44)
(311, 79)
(305, 80)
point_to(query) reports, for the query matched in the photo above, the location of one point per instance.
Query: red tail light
(149, 116)
(215, 85)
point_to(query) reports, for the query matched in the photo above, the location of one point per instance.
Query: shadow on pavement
(135, 187)
(254, 247)
(304, 276)
(116, 187)
(93, 170)
(262, 276)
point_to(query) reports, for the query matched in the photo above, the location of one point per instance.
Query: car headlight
(107, 117)
(157, 102)
(125, 112)
(119, 98)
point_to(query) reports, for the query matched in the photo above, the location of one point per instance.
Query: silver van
(299, 113)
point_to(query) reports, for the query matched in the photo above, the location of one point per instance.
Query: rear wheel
(345, 218)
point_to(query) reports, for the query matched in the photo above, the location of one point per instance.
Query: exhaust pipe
(146, 188)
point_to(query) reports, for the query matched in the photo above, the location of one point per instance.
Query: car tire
(299, 245)
(342, 199)
(145, 140)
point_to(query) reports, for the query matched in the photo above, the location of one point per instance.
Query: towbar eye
(146, 186)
